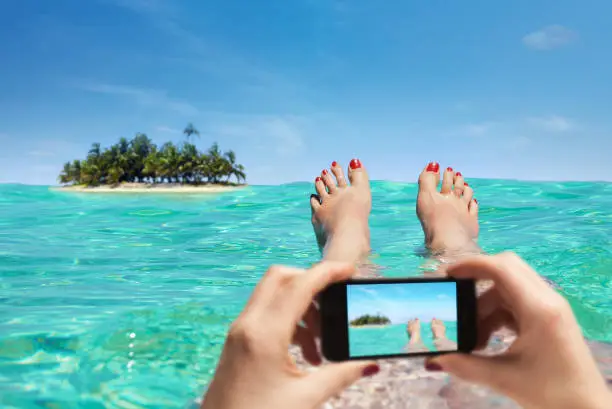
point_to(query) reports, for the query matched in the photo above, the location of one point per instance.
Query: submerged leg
(415, 343)
(442, 343)
(340, 213)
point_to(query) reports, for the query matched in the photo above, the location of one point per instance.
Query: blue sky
(402, 302)
(506, 89)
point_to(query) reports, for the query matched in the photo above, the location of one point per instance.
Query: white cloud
(473, 130)
(368, 291)
(142, 96)
(553, 123)
(167, 129)
(283, 133)
(550, 37)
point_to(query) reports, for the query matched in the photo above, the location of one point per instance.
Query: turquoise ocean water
(123, 301)
(391, 339)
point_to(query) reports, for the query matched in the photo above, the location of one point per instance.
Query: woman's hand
(255, 370)
(549, 365)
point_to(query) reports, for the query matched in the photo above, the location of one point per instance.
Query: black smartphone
(397, 317)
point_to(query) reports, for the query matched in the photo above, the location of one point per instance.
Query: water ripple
(124, 301)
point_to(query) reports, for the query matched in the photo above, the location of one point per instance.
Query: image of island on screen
(401, 318)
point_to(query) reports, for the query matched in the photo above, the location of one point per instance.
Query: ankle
(349, 242)
(455, 242)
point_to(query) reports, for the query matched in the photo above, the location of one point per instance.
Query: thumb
(489, 371)
(330, 380)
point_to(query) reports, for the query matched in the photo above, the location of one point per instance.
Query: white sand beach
(150, 188)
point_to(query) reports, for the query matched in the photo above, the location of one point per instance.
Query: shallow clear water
(122, 301)
(391, 339)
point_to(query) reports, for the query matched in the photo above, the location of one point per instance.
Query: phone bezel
(334, 317)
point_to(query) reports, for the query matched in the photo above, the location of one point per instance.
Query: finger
(312, 320)
(488, 302)
(492, 323)
(511, 284)
(273, 282)
(332, 379)
(493, 371)
(305, 340)
(510, 261)
(313, 281)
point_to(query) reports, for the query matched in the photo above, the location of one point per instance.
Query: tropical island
(139, 165)
(370, 320)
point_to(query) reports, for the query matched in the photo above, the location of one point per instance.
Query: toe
(459, 184)
(320, 187)
(357, 173)
(329, 181)
(339, 174)
(468, 193)
(447, 181)
(315, 203)
(473, 207)
(430, 177)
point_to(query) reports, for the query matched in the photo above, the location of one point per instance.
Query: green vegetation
(370, 320)
(140, 160)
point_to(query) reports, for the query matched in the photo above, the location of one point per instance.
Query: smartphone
(397, 318)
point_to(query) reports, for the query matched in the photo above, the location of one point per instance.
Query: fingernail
(318, 179)
(433, 367)
(334, 164)
(324, 171)
(459, 174)
(433, 167)
(475, 201)
(355, 164)
(371, 370)
(465, 183)
(449, 169)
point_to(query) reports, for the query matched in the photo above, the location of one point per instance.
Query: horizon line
(373, 180)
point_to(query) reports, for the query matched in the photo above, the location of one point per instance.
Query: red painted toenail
(334, 164)
(465, 183)
(324, 172)
(355, 164)
(458, 174)
(318, 179)
(433, 167)
(449, 169)
(475, 201)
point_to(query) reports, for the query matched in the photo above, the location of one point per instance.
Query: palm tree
(189, 162)
(170, 161)
(66, 175)
(140, 160)
(140, 148)
(215, 165)
(152, 165)
(190, 130)
(95, 150)
(238, 172)
(234, 169)
(75, 171)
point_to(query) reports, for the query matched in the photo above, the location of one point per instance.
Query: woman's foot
(450, 216)
(414, 331)
(438, 329)
(340, 213)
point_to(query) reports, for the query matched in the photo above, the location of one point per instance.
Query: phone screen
(401, 318)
